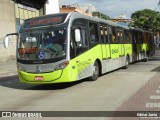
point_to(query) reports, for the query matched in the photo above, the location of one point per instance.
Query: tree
(146, 19)
(101, 15)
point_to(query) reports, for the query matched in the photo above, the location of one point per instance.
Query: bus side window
(102, 34)
(110, 33)
(83, 40)
(114, 35)
(72, 45)
(84, 37)
(93, 30)
(127, 37)
(78, 46)
(120, 36)
(79, 43)
(106, 34)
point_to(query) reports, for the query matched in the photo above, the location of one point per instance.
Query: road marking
(11, 73)
(153, 105)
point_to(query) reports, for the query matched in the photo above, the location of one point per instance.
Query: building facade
(12, 15)
(23, 12)
(8, 25)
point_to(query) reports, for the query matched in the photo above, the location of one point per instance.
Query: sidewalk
(8, 69)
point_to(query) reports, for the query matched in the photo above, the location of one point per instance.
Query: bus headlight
(62, 65)
(20, 68)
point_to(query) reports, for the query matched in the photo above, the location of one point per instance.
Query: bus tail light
(62, 65)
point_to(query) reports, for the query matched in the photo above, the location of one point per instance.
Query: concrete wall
(7, 25)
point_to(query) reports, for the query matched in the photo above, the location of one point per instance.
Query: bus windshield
(42, 44)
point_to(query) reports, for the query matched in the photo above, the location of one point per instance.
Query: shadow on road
(157, 69)
(56, 86)
(13, 82)
(154, 59)
(8, 78)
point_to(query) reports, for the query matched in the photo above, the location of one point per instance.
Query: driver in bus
(53, 43)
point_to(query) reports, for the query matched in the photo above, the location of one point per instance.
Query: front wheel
(147, 57)
(95, 71)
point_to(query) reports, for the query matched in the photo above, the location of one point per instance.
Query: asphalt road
(107, 93)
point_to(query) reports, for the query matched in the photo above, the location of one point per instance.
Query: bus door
(104, 41)
(134, 46)
(120, 37)
(106, 36)
(114, 46)
(81, 57)
(103, 45)
(79, 47)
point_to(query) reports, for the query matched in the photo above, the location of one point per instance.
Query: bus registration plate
(38, 78)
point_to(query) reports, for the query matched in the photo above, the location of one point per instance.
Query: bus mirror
(6, 42)
(77, 35)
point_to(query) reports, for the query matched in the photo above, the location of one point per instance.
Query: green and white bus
(143, 44)
(68, 47)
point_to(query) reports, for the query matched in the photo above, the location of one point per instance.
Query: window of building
(30, 14)
(23, 12)
(17, 10)
(26, 14)
(37, 13)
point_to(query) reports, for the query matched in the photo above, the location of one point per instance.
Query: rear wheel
(126, 62)
(146, 57)
(95, 71)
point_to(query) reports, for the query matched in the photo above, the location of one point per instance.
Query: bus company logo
(6, 114)
(114, 51)
(38, 69)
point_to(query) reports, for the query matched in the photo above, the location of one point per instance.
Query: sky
(114, 8)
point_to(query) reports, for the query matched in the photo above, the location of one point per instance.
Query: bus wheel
(146, 58)
(126, 62)
(95, 71)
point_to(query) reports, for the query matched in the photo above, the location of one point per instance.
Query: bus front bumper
(59, 76)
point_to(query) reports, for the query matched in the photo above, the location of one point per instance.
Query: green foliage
(146, 19)
(101, 15)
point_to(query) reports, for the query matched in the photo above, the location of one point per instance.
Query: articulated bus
(68, 47)
(143, 44)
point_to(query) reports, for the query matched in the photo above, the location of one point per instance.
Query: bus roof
(60, 18)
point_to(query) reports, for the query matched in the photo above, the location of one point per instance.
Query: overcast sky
(114, 8)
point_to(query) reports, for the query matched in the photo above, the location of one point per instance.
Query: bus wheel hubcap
(95, 70)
